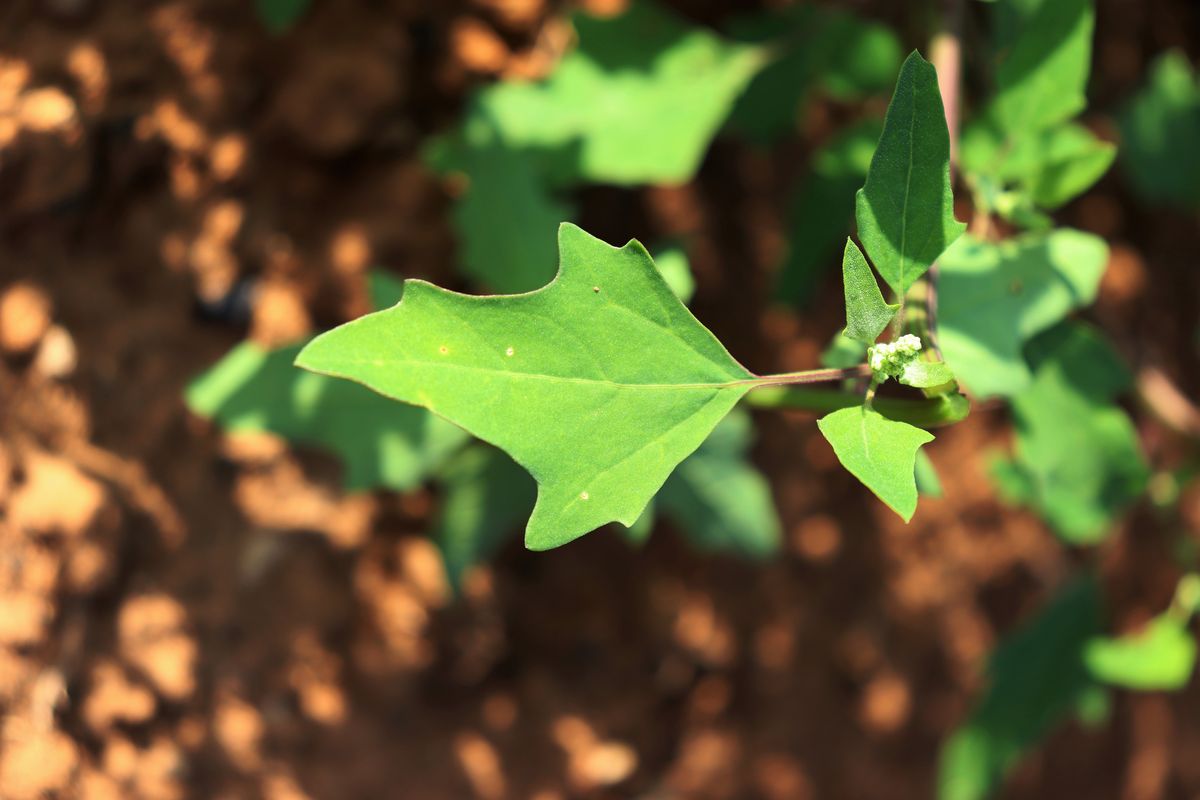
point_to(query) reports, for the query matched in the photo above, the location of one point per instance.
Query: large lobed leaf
(905, 211)
(598, 384)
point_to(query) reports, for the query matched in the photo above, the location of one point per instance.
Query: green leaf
(598, 384)
(507, 217)
(905, 211)
(821, 209)
(880, 452)
(1160, 658)
(866, 312)
(673, 264)
(994, 296)
(817, 49)
(1071, 160)
(637, 101)
(1079, 452)
(485, 497)
(1043, 81)
(719, 499)
(926, 374)
(1159, 131)
(843, 352)
(1037, 679)
(928, 483)
(1045, 168)
(381, 444)
(280, 15)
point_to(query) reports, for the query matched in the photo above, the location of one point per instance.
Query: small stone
(24, 318)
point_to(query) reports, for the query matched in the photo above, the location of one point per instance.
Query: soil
(185, 615)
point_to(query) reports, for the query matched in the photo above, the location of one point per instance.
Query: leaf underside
(598, 384)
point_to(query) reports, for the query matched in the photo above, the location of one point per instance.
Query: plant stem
(931, 412)
(812, 376)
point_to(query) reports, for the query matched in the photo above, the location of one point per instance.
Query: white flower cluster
(890, 358)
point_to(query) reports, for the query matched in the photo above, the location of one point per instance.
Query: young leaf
(1160, 658)
(1037, 678)
(719, 499)
(820, 212)
(880, 452)
(866, 312)
(1079, 453)
(1159, 132)
(638, 101)
(905, 211)
(994, 296)
(599, 384)
(380, 443)
(926, 374)
(485, 496)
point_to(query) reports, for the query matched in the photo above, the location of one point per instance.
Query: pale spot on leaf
(584, 495)
(509, 352)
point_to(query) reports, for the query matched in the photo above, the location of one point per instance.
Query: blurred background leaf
(1160, 129)
(1037, 677)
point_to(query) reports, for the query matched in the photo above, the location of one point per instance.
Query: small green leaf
(1159, 131)
(1160, 658)
(280, 15)
(1079, 452)
(1037, 679)
(926, 374)
(719, 499)
(879, 452)
(485, 497)
(822, 208)
(928, 483)
(994, 296)
(905, 211)
(599, 384)
(866, 312)
(637, 101)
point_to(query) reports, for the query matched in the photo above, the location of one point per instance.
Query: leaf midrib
(538, 376)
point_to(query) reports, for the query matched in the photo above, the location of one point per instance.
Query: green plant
(602, 399)
(602, 382)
